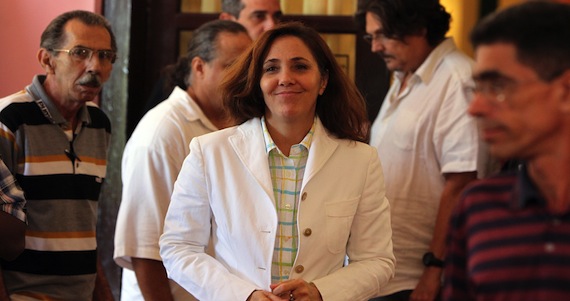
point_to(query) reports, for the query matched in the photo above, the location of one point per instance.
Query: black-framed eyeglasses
(81, 54)
(377, 36)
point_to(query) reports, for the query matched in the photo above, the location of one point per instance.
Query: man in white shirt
(154, 154)
(428, 143)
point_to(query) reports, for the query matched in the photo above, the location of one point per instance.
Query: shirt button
(299, 269)
(549, 247)
(308, 232)
(287, 206)
(304, 196)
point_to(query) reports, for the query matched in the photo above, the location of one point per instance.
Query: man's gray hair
(232, 7)
(54, 34)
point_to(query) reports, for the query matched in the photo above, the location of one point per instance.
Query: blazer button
(304, 196)
(299, 269)
(308, 232)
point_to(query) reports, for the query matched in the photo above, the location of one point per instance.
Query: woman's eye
(270, 69)
(301, 67)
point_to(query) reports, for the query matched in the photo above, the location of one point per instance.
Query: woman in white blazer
(296, 105)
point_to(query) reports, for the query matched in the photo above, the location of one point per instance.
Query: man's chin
(88, 92)
(503, 152)
(88, 96)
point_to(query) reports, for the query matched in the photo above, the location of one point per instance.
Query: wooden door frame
(158, 46)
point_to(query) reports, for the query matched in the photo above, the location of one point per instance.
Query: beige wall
(22, 22)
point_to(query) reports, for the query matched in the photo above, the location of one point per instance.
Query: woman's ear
(324, 82)
(565, 90)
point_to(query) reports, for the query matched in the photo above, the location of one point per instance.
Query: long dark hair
(341, 108)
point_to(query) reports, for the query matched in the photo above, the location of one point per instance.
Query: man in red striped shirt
(510, 234)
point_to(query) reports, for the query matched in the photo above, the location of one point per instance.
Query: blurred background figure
(431, 144)
(510, 234)
(154, 154)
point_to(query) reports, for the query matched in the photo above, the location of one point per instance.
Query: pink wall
(21, 25)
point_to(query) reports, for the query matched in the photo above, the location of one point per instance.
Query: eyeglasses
(495, 90)
(81, 54)
(377, 36)
(498, 90)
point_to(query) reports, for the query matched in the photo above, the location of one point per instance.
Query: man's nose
(377, 46)
(479, 106)
(269, 23)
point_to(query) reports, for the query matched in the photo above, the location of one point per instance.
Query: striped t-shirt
(505, 244)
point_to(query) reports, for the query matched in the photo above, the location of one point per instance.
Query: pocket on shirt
(339, 221)
(404, 129)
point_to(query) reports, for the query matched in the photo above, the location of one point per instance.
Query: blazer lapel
(322, 148)
(249, 145)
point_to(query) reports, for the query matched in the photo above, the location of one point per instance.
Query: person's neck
(67, 108)
(286, 134)
(423, 51)
(217, 116)
(551, 174)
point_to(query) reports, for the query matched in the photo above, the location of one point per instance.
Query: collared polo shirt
(506, 244)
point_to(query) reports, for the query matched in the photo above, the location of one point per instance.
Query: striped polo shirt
(287, 178)
(61, 179)
(505, 244)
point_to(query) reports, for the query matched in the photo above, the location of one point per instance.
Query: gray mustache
(90, 80)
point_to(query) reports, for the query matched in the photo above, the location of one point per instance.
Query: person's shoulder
(219, 135)
(98, 118)
(19, 108)
(166, 125)
(497, 187)
(358, 151)
(17, 98)
(167, 112)
(459, 65)
(245, 132)
(353, 145)
(502, 180)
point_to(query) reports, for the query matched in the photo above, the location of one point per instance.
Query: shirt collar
(427, 69)
(193, 112)
(47, 106)
(526, 192)
(270, 144)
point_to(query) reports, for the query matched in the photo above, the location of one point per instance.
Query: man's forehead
(373, 22)
(269, 6)
(79, 33)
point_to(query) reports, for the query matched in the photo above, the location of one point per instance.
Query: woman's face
(291, 81)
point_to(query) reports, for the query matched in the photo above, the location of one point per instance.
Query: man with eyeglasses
(428, 145)
(55, 140)
(509, 237)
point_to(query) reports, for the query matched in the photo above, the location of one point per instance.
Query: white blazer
(225, 189)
